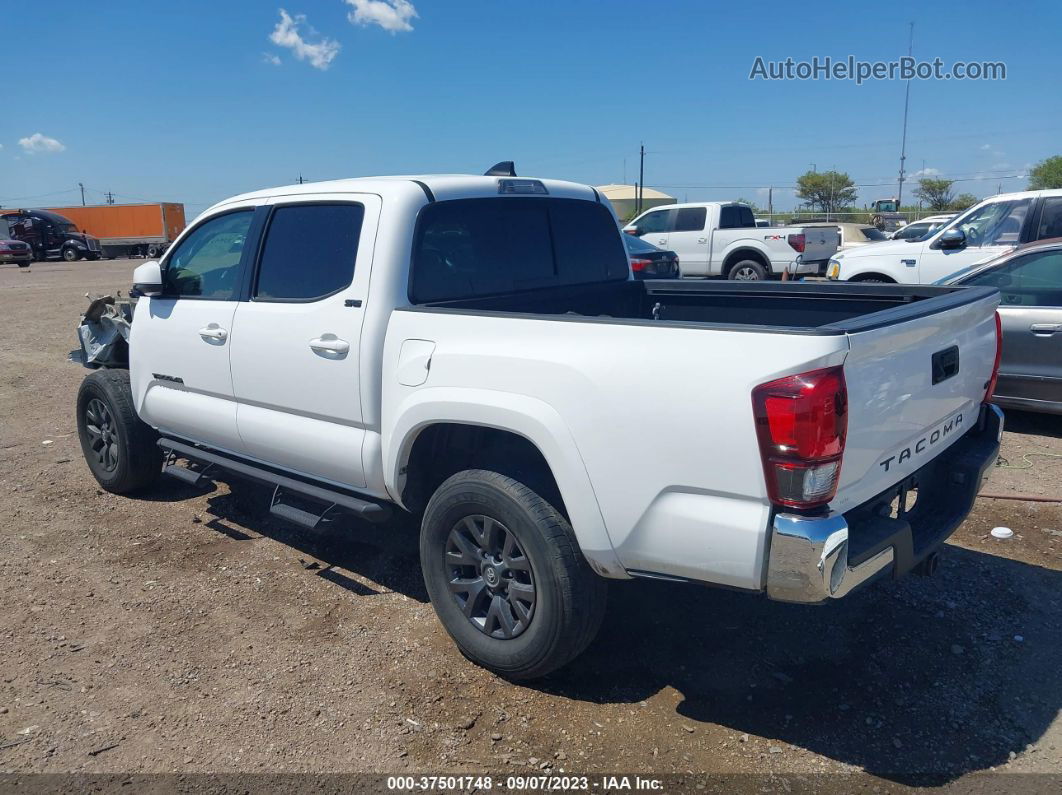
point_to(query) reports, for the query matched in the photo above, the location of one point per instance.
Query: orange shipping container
(128, 224)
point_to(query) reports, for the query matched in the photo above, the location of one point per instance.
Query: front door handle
(1044, 329)
(702, 240)
(329, 343)
(662, 241)
(213, 332)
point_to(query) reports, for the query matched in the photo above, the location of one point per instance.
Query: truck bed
(788, 308)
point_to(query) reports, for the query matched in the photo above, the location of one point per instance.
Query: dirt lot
(180, 633)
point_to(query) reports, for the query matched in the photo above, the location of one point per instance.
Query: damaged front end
(103, 334)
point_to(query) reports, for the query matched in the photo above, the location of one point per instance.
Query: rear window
(470, 247)
(636, 245)
(736, 216)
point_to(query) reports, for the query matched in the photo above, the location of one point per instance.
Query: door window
(656, 222)
(736, 216)
(1050, 219)
(309, 251)
(206, 263)
(1030, 280)
(690, 219)
(995, 224)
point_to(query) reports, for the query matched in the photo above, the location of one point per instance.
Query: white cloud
(271, 58)
(40, 143)
(926, 172)
(286, 34)
(391, 15)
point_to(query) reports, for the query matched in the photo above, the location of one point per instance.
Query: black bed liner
(814, 308)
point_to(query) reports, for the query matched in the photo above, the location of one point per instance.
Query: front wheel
(71, 254)
(748, 270)
(506, 576)
(120, 448)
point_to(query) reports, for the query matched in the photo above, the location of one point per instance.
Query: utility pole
(641, 175)
(906, 104)
(110, 198)
(301, 180)
(81, 185)
(770, 202)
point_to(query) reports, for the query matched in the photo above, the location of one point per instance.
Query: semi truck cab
(49, 235)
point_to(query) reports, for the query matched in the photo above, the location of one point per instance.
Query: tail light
(797, 242)
(639, 264)
(801, 423)
(991, 387)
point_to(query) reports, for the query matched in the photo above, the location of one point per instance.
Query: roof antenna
(505, 168)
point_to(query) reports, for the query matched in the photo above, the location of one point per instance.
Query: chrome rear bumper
(809, 559)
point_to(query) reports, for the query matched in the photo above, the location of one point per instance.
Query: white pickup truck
(722, 239)
(474, 350)
(986, 230)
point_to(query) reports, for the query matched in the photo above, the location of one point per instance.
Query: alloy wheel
(103, 434)
(490, 576)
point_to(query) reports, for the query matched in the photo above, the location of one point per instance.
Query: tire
(561, 612)
(92, 257)
(119, 448)
(152, 251)
(747, 270)
(71, 254)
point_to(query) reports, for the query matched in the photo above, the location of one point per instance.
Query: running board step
(338, 500)
(299, 516)
(182, 473)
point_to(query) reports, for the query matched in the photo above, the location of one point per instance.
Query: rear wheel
(747, 270)
(120, 448)
(506, 576)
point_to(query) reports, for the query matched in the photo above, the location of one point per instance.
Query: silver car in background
(1029, 280)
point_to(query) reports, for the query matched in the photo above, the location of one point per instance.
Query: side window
(206, 264)
(309, 251)
(1032, 280)
(995, 224)
(1050, 219)
(690, 219)
(656, 222)
(736, 216)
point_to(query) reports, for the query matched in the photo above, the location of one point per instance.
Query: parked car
(853, 235)
(722, 239)
(1029, 280)
(469, 349)
(917, 230)
(650, 262)
(49, 234)
(12, 250)
(993, 227)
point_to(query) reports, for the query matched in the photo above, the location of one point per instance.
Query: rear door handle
(329, 344)
(213, 332)
(1044, 329)
(662, 241)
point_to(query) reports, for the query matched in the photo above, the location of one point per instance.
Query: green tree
(1046, 174)
(963, 201)
(936, 192)
(827, 190)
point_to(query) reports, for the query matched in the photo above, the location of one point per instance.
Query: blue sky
(193, 101)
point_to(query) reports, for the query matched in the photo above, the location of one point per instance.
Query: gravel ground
(184, 632)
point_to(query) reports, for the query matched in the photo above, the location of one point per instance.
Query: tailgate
(820, 242)
(914, 388)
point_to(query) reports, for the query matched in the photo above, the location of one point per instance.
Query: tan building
(624, 199)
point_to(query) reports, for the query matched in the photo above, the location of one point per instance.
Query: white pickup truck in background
(474, 350)
(722, 239)
(993, 227)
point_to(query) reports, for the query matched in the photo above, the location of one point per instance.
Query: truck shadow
(917, 681)
(1028, 422)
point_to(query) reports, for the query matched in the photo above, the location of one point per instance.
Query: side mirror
(633, 230)
(952, 238)
(147, 279)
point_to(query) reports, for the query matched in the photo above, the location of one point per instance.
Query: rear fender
(529, 417)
